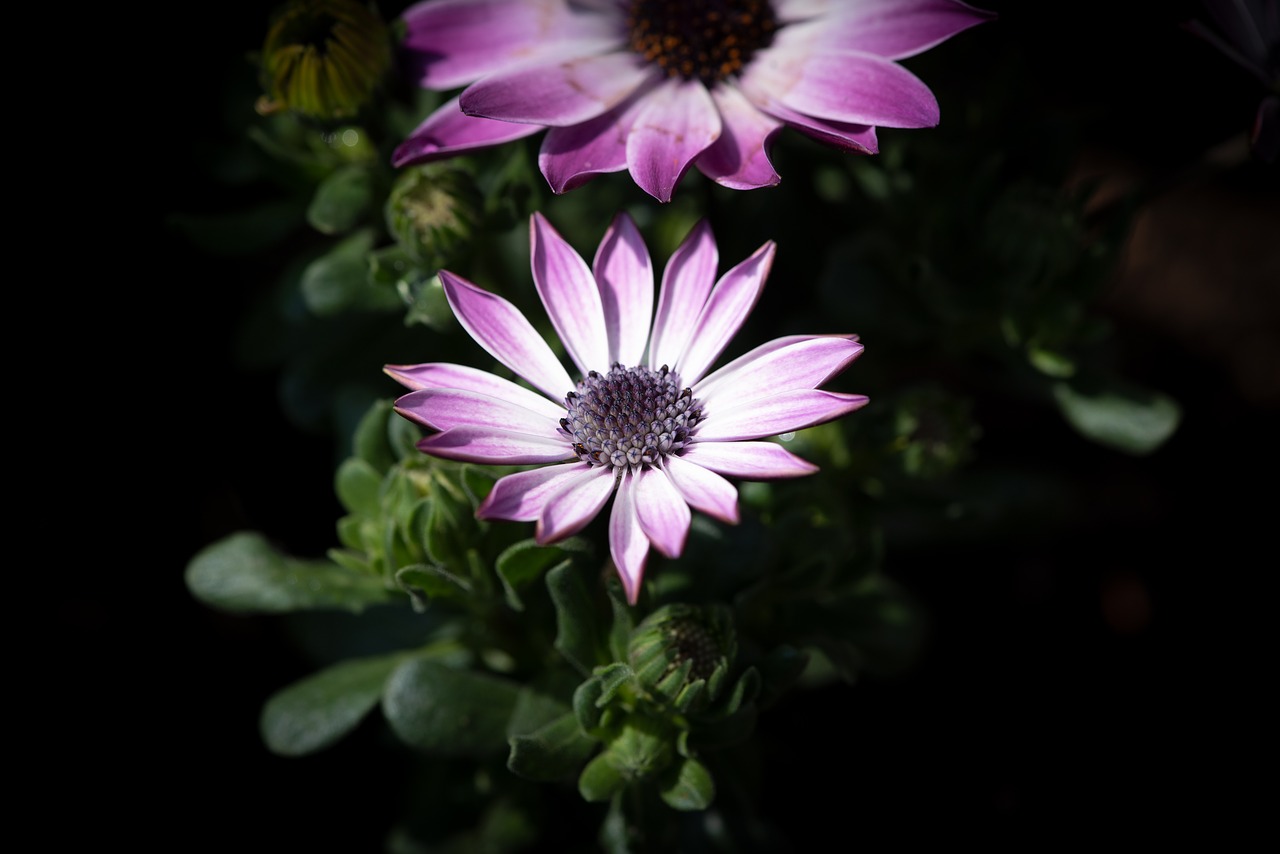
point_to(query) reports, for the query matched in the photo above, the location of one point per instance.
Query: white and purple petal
(664, 516)
(747, 460)
(446, 408)
(557, 95)
(776, 414)
(730, 303)
(739, 159)
(624, 273)
(506, 334)
(703, 489)
(791, 362)
(471, 444)
(448, 131)
(894, 29)
(628, 544)
(570, 295)
(570, 508)
(571, 156)
(686, 281)
(676, 122)
(446, 375)
(521, 497)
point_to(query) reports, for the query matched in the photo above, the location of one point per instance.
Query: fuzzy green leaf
(358, 485)
(552, 752)
(1135, 421)
(599, 780)
(451, 712)
(688, 787)
(341, 200)
(317, 711)
(242, 573)
(575, 617)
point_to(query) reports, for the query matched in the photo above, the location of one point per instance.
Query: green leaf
(317, 711)
(242, 573)
(688, 787)
(520, 564)
(371, 442)
(439, 709)
(342, 199)
(338, 280)
(552, 752)
(1135, 421)
(599, 780)
(425, 582)
(575, 617)
(358, 485)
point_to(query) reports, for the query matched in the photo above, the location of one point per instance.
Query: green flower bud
(643, 748)
(933, 431)
(433, 210)
(681, 654)
(323, 59)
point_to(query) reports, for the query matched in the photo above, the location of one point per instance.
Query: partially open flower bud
(324, 59)
(682, 653)
(433, 211)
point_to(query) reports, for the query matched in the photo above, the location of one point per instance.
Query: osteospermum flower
(647, 422)
(655, 86)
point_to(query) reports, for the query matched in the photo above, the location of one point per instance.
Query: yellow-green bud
(324, 59)
(681, 654)
(433, 210)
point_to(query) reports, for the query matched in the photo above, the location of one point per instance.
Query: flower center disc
(630, 417)
(710, 40)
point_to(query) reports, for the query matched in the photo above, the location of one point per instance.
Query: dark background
(1110, 677)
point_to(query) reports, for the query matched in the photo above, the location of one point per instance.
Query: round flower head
(648, 422)
(655, 86)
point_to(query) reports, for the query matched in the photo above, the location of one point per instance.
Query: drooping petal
(794, 361)
(499, 447)
(687, 279)
(849, 86)
(557, 95)
(730, 302)
(703, 489)
(571, 156)
(739, 159)
(574, 504)
(664, 516)
(677, 122)
(449, 131)
(450, 43)
(747, 460)
(628, 544)
(446, 375)
(860, 139)
(624, 272)
(521, 497)
(500, 328)
(570, 296)
(894, 29)
(780, 413)
(446, 408)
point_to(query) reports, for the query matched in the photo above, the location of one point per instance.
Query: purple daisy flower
(648, 422)
(655, 86)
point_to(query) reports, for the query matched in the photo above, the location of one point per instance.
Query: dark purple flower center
(630, 417)
(710, 40)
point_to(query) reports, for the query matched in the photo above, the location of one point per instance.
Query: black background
(1108, 680)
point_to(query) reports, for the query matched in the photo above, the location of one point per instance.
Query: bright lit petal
(498, 447)
(703, 489)
(625, 275)
(781, 413)
(571, 156)
(677, 122)
(500, 328)
(574, 504)
(894, 29)
(664, 516)
(687, 279)
(796, 361)
(557, 95)
(449, 43)
(570, 295)
(449, 131)
(748, 460)
(852, 87)
(627, 541)
(521, 497)
(739, 159)
(860, 139)
(445, 375)
(728, 306)
(446, 408)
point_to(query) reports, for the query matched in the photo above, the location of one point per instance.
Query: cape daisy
(655, 86)
(647, 422)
